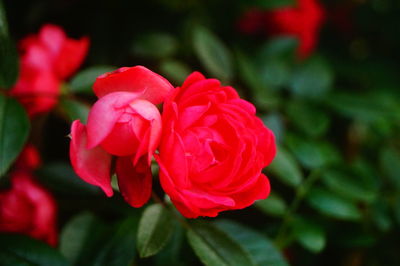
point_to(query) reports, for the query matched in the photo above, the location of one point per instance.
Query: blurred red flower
(302, 21)
(46, 59)
(213, 149)
(29, 159)
(27, 208)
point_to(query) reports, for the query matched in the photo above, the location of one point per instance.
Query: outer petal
(92, 165)
(71, 56)
(134, 182)
(36, 89)
(138, 79)
(149, 112)
(104, 114)
(52, 37)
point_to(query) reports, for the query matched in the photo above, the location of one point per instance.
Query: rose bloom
(46, 59)
(125, 124)
(213, 149)
(27, 208)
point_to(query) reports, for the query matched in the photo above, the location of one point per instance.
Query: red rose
(27, 208)
(124, 123)
(46, 60)
(213, 149)
(302, 21)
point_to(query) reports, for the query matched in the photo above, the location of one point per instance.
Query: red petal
(134, 181)
(71, 56)
(152, 138)
(192, 78)
(92, 165)
(104, 114)
(138, 79)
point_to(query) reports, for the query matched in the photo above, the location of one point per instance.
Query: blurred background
(324, 76)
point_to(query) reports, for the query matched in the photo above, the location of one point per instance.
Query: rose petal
(134, 182)
(92, 165)
(104, 114)
(44, 218)
(138, 79)
(192, 78)
(260, 190)
(71, 56)
(149, 112)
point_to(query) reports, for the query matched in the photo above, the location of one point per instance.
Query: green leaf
(155, 228)
(396, 209)
(61, 179)
(273, 4)
(22, 250)
(155, 45)
(212, 53)
(310, 120)
(14, 130)
(250, 75)
(351, 186)
(312, 154)
(8, 53)
(260, 248)
(278, 47)
(119, 248)
(170, 255)
(275, 73)
(286, 168)
(364, 107)
(75, 109)
(333, 205)
(312, 78)
(74, 235)
(390, 163)
(309, 234)
(380, 214)
(100, 244)
(214, 247)
(274, 121)
(175, 70)
(84, 80)
(273, 205)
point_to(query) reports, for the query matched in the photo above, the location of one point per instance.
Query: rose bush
(213, 149)
(46, 60)
(124, 123)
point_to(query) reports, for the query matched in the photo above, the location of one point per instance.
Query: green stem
(299, 196)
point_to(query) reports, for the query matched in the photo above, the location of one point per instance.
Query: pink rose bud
(122, 123)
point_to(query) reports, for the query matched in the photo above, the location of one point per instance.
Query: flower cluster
(302, 21)
(46, 59)
(211, 146)
(27, 207)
